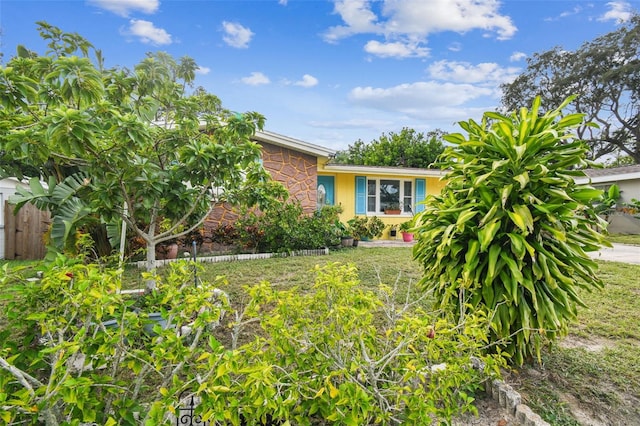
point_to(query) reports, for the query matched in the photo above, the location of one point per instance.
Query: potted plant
(346, 239)
(357, 228)
(406, 230)
(375, 227)
(364, 228)
(392, 208)
(393, 230)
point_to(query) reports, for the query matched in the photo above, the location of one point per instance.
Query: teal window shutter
(421, 194)
(361, 195)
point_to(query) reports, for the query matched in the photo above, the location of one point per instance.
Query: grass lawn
(591, 377)
(625, 239)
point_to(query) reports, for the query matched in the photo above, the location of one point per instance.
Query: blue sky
(332, 72)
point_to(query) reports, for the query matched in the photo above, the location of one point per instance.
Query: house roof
(294, 144)
(383, 170)
(613, 174)
(289, 142)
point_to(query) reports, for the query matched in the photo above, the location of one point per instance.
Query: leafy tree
(605, 76)
(510, 231)
(405, 149)
(149, 151)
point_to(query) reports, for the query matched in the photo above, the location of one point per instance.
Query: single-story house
(628, 180)
(394, 194)
(626, 177)
(307, 172)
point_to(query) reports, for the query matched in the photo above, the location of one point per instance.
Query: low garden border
(141, 264)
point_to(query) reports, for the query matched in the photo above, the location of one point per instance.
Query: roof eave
(608, 178)
(294, 144)
(383, 171)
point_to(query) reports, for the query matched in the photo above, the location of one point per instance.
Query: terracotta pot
(172, 251)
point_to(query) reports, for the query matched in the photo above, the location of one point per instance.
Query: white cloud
(576, 10)
(487, 73)
(396, 49)
(283, 2)
(425, 100)
(256, 79)
(421, 17)
(203, 70)
(455, 47)
(620, 11)
(148, 33)
(125, 7)
(517, 56)
(411, 21)
(354, 123)
(307, 81)
(357, 16)
(236, 35)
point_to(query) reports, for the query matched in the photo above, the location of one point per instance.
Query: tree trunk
(151, 264)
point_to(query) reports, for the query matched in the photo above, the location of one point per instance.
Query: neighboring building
(21, 236)
(7, 189)
(626, 177)
(628, 180)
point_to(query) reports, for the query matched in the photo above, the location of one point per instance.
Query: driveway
(619, 253)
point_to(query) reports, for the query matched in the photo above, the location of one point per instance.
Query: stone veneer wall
(298, 172)
(295, 170)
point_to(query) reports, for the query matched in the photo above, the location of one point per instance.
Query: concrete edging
(511, 401)
(237, 257)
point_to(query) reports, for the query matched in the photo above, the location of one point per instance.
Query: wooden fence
(24, 232)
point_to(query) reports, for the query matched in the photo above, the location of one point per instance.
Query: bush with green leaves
(285, 227)
(510, 231)
(347, 355)
(341, 353)
(76, 349)
(365, 227)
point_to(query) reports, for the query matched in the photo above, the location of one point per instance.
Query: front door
(326, 191)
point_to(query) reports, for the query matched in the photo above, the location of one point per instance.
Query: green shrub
(285, 228)
(79, 350)
(340, 354)
(510, 231)
(350, 356)
(363, 227)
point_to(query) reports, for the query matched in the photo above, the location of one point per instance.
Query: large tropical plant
(510, 231)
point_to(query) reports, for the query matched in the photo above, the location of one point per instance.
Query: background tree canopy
(405, 149)
(605, 76)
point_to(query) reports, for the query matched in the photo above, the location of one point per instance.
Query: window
(373, 194)
(389, 193)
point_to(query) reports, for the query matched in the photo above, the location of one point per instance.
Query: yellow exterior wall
(345, 196)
